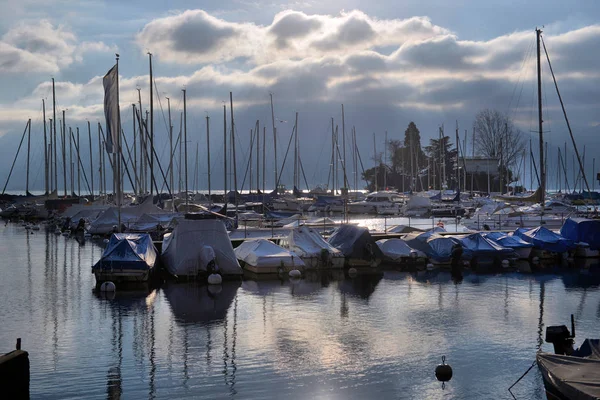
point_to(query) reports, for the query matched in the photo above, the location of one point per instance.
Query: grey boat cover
(264, 253)
(307, 242)
(184, 250)
(576, 377)
(355, 242)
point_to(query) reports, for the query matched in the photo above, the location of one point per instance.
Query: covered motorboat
(396, 251)
(357, 245)
(195, 246)
(519, 246)
(438, 248)
(262, 256)
(128, 257)
(310, 246)
(570, 373)
(545, 242)
(480, 250)
(586, 235)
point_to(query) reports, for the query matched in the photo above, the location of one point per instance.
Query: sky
(432, 62)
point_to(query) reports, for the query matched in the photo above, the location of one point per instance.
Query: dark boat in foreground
(128, 257)
(569, 373)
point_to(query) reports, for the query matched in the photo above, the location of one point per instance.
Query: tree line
(406, 165)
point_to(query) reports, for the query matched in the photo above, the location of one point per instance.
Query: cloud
(41, 47)
(195, 37)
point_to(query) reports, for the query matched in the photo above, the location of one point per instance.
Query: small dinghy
(310, 246)
(569, 373)
(396, 251)
(128, 257)
(264, 257)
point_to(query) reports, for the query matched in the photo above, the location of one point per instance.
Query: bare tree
(496, 135)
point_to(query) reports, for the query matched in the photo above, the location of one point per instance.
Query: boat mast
(296, 172)
(185, 147)
(457, 157)
(233, 150)
(152, 130)
(208, 155)
(257, 156)
(45, 149)
(101, 162)
(385, 162)
(64, 151)
(78, 166)
(71, 175)
(274, 139)
(225, 154)
(344, 144)
(171, 155)
(540, 120)
(91, 158)
(28, 150)
(375, 160)
(54, 129)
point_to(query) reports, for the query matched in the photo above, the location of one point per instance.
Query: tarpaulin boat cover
(110, 217)
(183, 251)
(355, 242)
(404, 229)
(582, 230)
(128, 251)
(576, 377)
(395, 249)
(150, 222)
(435, 246)
(307, 242)
(544, 239)
(476, 245)
(263, 253)
(510, 241)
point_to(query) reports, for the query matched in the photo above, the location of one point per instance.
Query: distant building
(481, 165)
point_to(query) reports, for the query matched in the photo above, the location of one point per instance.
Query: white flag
(111, 108)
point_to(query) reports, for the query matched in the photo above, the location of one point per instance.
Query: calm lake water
(325, 337)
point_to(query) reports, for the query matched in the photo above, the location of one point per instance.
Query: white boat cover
(149, 222)
(575, 377)
(183, 250)
(308, 243)
(263, 253)
(416, 201)
(110, 217)
(396, 249)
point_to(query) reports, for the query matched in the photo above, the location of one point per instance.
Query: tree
(496, 136)
(442, 155)
(407, 158)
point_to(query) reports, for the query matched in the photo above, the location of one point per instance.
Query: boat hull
(121, 275)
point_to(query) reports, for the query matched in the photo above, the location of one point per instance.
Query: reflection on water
(327, 336)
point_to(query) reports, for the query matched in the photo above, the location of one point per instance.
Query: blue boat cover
(128, 251)
(435, 246)
(510, 241)
(544, 239)
(476, 245)
(582, 230)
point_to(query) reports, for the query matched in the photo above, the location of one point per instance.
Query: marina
(321, 336)
(426, 263)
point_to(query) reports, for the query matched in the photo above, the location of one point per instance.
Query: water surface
(324, 337)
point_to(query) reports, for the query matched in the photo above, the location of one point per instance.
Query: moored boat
(128, 257)
(310, 246)
(570, 373)
(357, 245)
(262, 256)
